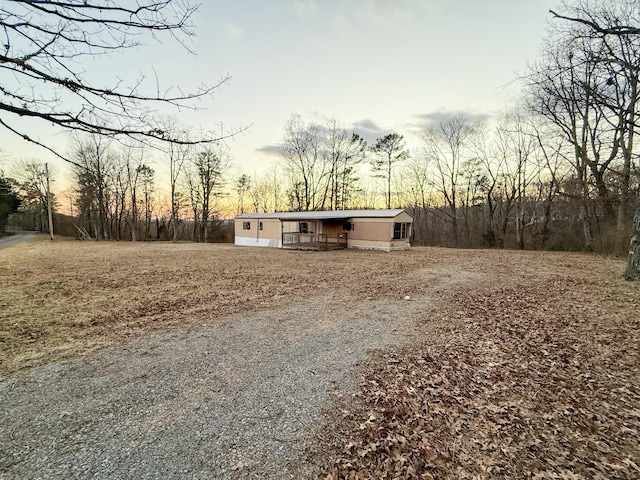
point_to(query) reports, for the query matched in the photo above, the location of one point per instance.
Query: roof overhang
(337, 215)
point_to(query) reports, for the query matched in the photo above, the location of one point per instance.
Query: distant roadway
(16, 238)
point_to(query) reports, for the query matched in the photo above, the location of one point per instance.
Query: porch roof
(325, 215)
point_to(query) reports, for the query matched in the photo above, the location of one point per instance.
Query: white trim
(391, 246)
(257, 242)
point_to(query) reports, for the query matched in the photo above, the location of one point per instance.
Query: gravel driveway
(15, 239)
(241, 397)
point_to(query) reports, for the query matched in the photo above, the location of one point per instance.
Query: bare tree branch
(612, 30)
(40, 78)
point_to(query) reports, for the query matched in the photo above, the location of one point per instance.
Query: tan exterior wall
(364, 229)
(368, 233)
(404, 217)
(377, 233)
(333, 229)
(289, 226)
(269, 236)
(377, 229)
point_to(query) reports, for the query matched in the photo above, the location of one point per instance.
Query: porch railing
(299, 238)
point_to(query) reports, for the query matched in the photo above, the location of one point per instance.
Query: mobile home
(366, 229)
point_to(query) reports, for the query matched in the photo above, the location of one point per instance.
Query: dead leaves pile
(538, 381)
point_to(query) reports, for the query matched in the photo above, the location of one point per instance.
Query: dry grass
(67, 297)
(529, 366)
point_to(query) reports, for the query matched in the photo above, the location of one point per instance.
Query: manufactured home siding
(367, 229)
(333, 229)
(269, 236)
(404, 217)
(377, 233)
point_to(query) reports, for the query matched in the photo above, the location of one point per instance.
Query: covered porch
(319, 235)
(318, 242)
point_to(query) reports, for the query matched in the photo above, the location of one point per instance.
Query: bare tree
(176, 154)
(209, 166)
(320, 162)
(118, 214)
(95, 166)
(562, 89)
(632, 272)
(519, 147)
(489, 164)
(32, 176)
(9, 200)
(417, 196)
(444, 147)
(146, 176)
(266, 191)
(390, 150)
(615, 27)
(552, 174)
(134, 172)
(243, 186)
(586, 85)
(343, 151)
(302, 153)
(191, 188)
(42, 77)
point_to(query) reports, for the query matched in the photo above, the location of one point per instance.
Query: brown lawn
(529, 365)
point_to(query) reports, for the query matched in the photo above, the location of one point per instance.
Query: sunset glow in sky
(375, 65)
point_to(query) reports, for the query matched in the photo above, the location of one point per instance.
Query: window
(347, 226)
(260, 225)
(400, 231)
(304, 227)
(246, 225)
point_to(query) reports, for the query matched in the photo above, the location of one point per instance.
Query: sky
(376, 66)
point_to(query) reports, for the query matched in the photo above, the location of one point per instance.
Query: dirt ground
(501, 364)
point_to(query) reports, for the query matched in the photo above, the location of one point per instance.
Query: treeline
(116, 193)
(557, 172)
(509, 184)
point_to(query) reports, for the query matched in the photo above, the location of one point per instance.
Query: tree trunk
(205, 224)
(519, 229)
(174, 216)
(454, 228)
(626, 176)
(49, 207)
(633, 263)
(586, 228)
(389, 184)
(147, 216)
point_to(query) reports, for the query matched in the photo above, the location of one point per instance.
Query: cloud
(272, 150)
(304, 7)
(433, 119)
(369, 130)
(366, 128)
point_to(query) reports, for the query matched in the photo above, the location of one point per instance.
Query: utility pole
(50, 211)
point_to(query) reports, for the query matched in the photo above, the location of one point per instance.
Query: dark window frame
(246, 225)
(401, 230)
